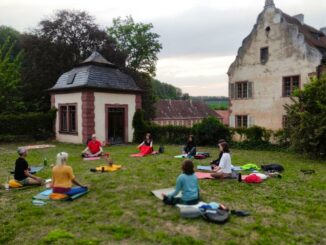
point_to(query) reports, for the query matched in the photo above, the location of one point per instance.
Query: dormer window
(264, 55)
(71, 78)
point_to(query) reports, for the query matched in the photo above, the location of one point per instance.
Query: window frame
(68, 118)
(291, 85)
(261, 56)
(243, 84)
(242, 120)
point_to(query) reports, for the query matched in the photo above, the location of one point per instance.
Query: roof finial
(269, 3)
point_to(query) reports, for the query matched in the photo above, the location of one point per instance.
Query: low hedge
(32, 125)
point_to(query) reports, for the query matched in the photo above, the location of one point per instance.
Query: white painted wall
(289, 55)
(70, 98)
(101, 99)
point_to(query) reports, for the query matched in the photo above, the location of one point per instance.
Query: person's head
(188, 167)
(22, 151)
(191, 138)
(224, 147)
(148, 136)
(220, 141)
(94, 137)
(62, 158)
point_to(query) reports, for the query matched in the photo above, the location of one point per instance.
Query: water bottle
(7, 184)
(45, 162)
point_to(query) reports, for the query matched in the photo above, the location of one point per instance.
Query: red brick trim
(125, 106)
(88, 114)
(138, 101)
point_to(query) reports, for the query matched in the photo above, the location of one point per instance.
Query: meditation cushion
(58, 196)
(14, 184)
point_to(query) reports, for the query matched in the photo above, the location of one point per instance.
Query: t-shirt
(94, 146)
(62, 176)
(188, 184)
(20, 166)
(225, 163)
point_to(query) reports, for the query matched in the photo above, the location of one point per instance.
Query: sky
(200, 38)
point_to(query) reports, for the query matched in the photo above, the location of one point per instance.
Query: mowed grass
(120, 208)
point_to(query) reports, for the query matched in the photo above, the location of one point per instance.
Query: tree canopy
(165, 90)
(137, 42)
(306, 119)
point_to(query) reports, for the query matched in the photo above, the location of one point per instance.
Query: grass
(121, 210)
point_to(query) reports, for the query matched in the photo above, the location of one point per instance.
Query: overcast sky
(200, 37)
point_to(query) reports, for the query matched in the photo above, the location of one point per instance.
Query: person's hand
(163, 195)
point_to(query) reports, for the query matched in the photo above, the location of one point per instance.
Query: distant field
(218, 104)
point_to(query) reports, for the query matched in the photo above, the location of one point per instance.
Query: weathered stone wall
(289, 55)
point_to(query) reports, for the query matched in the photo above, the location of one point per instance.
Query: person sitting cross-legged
(63, 176)
(187, 183)
(93, 149)
(190, 147)
(22, 174)
(224, 169)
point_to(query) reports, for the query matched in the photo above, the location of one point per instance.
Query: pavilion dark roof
(96, 73)
(182, 109)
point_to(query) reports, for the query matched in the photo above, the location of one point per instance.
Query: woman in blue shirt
(187, 183)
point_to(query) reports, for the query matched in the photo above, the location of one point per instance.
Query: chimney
(269, 4)
(323, 30)
(299, 17)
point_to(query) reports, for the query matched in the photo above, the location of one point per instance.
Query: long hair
(225, 147)
(62, 158)
(188, 167)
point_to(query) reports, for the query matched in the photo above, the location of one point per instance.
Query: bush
(34, 125)
(210, 130)
(140, 126)
(169, 134)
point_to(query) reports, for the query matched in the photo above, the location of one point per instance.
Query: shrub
(34, 125)
(140, 126)
(210, 130)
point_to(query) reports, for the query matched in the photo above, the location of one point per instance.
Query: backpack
(272, 167)
(161, 149)
(217, 216)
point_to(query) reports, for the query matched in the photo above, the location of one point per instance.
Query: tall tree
(10, 78)
(8, 32)
(58, 44)
(165, 90)
(306, 124)
(137, 42)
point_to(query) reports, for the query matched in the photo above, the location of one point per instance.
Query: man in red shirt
(93, 149)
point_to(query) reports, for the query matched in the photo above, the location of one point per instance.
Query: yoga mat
(158, 193)
(137, 155)
(71, 198)
(91, 158)
(29, 147)
(33, 169)
(202, 175)
(181, 156)
(108, 168)
(44, 195)
(207, 168)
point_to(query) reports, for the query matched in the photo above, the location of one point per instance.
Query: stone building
(95, 97)
(280, 54)
(181, 112)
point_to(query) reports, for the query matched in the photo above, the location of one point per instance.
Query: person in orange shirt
(93, 149)
(63, 176)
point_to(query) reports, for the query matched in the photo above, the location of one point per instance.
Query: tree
(10, 79)
(56, 46)
(8, 32)
(306, 119)
(165, 90)
(137, 42)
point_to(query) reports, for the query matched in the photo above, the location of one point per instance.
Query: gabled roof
(182, 109)
(312, 36)
(96, 73)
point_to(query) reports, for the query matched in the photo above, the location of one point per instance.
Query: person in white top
(224, 169)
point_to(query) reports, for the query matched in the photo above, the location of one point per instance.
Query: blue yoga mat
(207, 168)
(33, 170)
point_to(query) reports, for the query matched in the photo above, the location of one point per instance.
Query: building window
(241, 121)
(290, 84)
(241, 90)
(68, 118)
(285, 121)
(263, 55)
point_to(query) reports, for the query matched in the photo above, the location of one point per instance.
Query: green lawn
(121, 210)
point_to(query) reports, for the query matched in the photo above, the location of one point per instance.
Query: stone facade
(274, 51)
